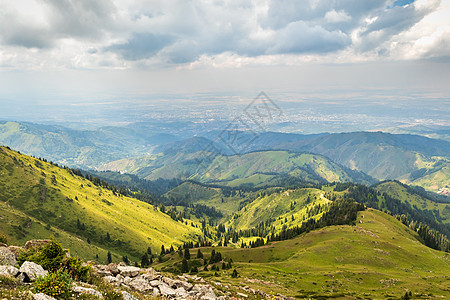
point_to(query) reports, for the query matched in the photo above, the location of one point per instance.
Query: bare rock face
(42, 296)
(153, 283)
(140, 284)
(87, 291)
(128, 296)
(112, 267)
(129, 271)
(7, 258)
(16, 250)
(9, 271)
(36, 243)
(31, 271)
(204, 291)
(166, 291)
(110, 279)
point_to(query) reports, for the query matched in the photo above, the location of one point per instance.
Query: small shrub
(234, 274)
(3, 239)
(56, 284)
(75, 268)
(49, 256)
(8, 281)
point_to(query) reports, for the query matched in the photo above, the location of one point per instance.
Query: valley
(289, 222)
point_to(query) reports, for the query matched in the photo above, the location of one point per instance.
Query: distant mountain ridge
(256, 168)
(79, 148)
(412, 159)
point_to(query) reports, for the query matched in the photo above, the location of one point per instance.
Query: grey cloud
(298, 37)
(181, 31)
(141, 46)
(390, 22)
(283, 12)
(19, 32)
(82, 19)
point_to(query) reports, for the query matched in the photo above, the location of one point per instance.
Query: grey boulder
(9, 271)
(7, 258)
(32, 271)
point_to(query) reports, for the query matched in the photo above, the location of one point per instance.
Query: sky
(71, 51)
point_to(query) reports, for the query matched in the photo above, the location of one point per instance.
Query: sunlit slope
(398, 191)
(378, 258)
(20, 228)
(433, 173)
(303, 165)
(409, 158)
(254, 169)
(59, 198)
(227, 203)
(279, 208)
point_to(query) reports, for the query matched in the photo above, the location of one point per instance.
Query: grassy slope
(277, 206)
(133, 225)
(207, 196)
(377, 259)
(399, 192)
(410, 158)
(255, 167)
(20, 228)
(433, 173)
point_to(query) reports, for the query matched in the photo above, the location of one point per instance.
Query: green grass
(256, 168)
(278, 208)
(210, 196)
(433, 173)
(379, 258)
(57, 197)
(399, 192)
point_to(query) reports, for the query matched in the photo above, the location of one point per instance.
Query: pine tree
(184, 266)
(187, 254)
(145, 261)
(149, 251)
(199, 253)
(163, 250)
(234, 274)
(109, 257)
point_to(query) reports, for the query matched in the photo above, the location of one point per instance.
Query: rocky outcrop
(16, 250)
(31, 271)
(129, 271)
(42, 296)
(86, 291)
(7, 258)
(151, 282)
(36, 243)
(128, 296)
(9, 271)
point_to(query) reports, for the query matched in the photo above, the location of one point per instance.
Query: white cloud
(118, 34)
(333, 16)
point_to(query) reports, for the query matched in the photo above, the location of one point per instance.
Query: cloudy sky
(76, 48)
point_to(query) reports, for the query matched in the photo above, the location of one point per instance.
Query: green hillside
(413, 159)
(79, 148)
(398, 191)
(251, 169)
(278, 208)
(379, 258)
(55, 197)
(432, 173)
